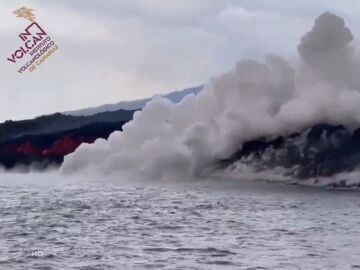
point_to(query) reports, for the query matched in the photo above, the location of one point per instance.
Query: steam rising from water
(251, 101)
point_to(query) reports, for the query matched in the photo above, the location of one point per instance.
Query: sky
(115, 50)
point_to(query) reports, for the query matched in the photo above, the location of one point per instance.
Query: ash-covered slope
(44, 141)
(48, 150)
(320, 151)
(58, 122)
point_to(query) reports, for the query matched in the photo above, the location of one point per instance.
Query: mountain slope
(175, 97)
(44, 141)
(58, 122)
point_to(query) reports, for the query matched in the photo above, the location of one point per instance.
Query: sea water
(208, 224)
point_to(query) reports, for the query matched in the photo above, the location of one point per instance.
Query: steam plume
(253, 100)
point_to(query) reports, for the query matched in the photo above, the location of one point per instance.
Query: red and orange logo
(36, 46)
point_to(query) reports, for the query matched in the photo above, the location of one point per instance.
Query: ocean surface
(48, 223)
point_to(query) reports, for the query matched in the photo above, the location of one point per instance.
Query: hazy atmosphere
(248, 159)
(119, 50)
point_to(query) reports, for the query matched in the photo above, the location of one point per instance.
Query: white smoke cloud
(326, 52)
(252, 100)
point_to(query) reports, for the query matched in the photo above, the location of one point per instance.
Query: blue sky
(113, 50)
